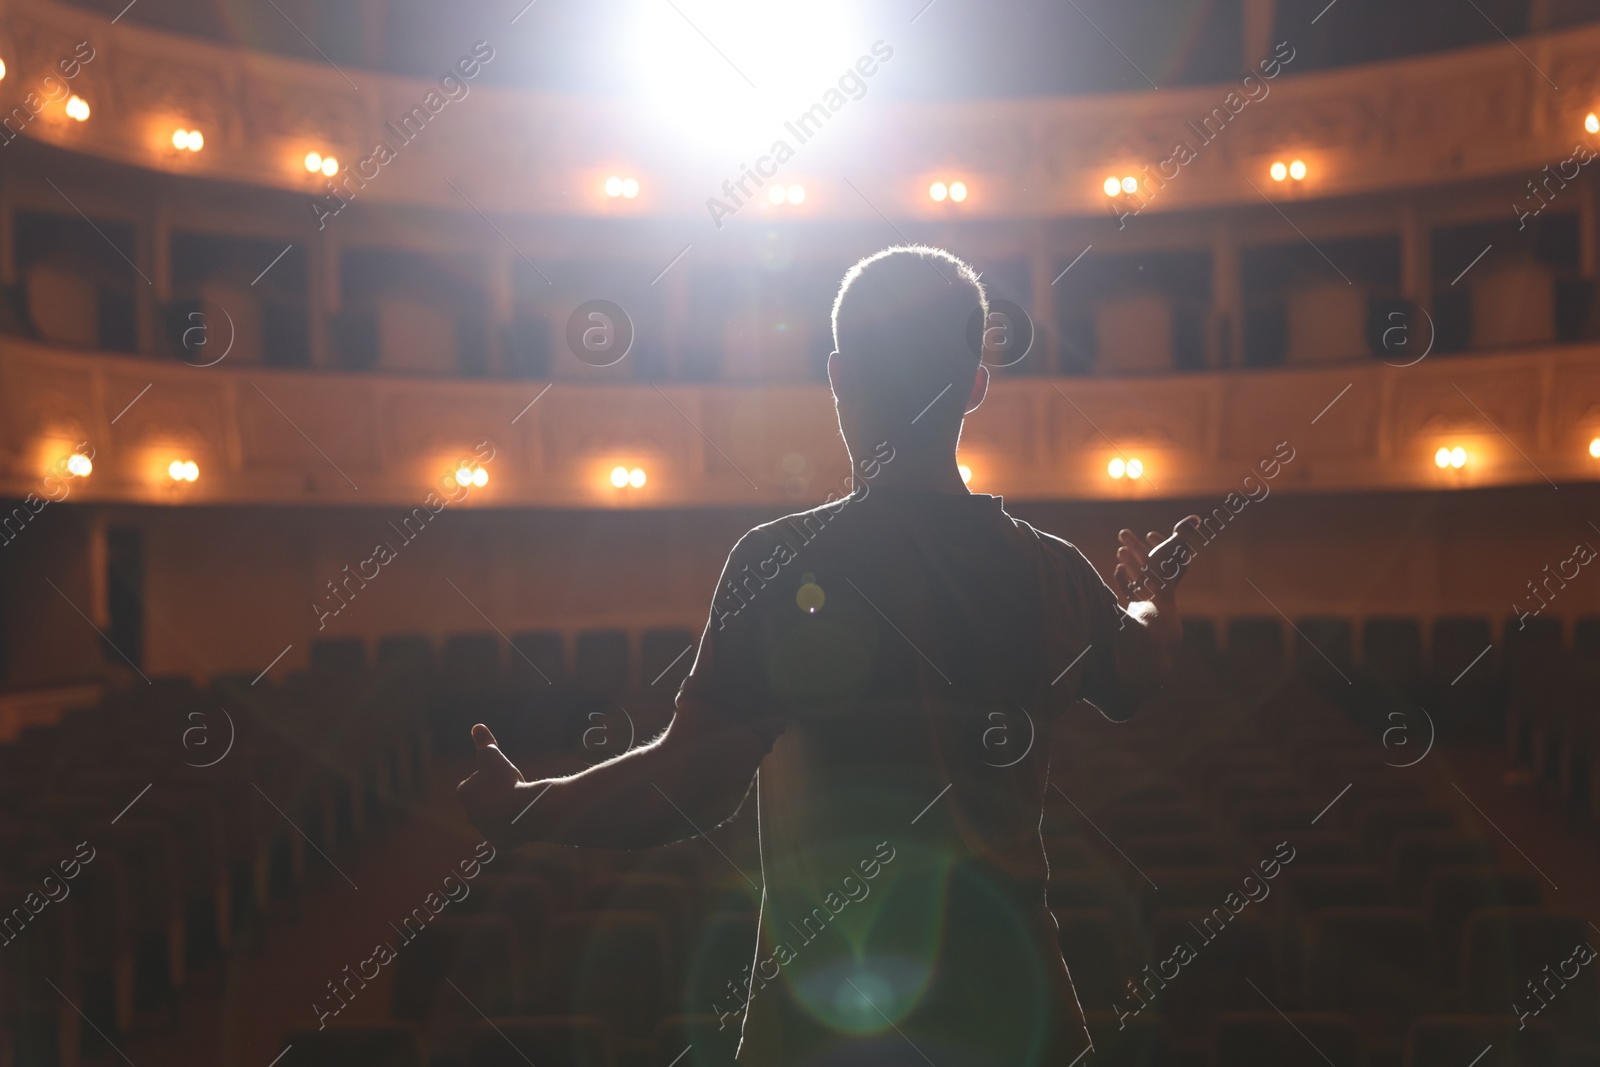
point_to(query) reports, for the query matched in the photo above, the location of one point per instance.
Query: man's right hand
(490, 792)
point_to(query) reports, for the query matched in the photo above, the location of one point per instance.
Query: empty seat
(455, 968)
(471, 661)
(1227, 955)
(538, 659)
(1089, 945)
(1507, 948)
(338, 654)
(1458, 641)
(1415, 854)
(366, 1044)
(666, 656)
(1268, 1039)
(601, 665)
(1255, 647)
(610, 965)
(407, 653)
(1391, 651)
(1322, 650)
(1384, 821)
(1374, 963)
(1453, 893)
(1481, 1041)
(549, 1041)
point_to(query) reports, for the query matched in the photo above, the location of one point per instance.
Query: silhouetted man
(894, 664)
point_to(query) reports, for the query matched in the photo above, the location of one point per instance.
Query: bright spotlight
(1130, 184)
(630, 188)
(77, 108)
(1592, 123)
(966, 474)
(938, 191)
(1297, 169)
(330, 166)
(1116, 468)
(958, 191)
(1458, 457)
(776, 193)
(1135, 468)
(1278, 171)
(1112, 186)
(79, 465)
(313, 161)
(619, 476)
(797, 194)
(614, 186)
(636, 478)
(183, 470)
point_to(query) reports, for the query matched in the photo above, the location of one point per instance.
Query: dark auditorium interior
(372, 369)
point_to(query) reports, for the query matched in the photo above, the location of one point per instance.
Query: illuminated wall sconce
(77, 108)
(1132, 468)
(1450, 457)
(317, 163)
(1591, 122)
(79, 465)
(623, 478)
(786, 194)
(467, 474)
(183, 470)
(1281, 170)
(939, 192)
(627, 188)
(188, 140)
(2, 70)
(1594, 448)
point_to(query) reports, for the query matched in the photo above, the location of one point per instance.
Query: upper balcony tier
(1491, 110)
(281, 437)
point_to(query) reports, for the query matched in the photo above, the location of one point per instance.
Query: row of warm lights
(627, 188)
(316, 163)
(623, 478)
(792, 194)
(1457, 457)
(1118, 468)
(188, 140)
(183, 470)
(939, 191)
(1280, 170)
(467, 474)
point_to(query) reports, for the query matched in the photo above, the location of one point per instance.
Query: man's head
(902, 369)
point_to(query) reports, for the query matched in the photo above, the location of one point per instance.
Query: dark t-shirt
(906, 656)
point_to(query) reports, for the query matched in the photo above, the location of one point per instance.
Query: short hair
(903, 315)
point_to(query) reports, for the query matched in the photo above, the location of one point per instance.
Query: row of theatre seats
(141, 837)
(1394, 935)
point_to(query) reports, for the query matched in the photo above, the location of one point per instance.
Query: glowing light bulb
(614, 186)
(191, 471)
(938, 191)
(619, 476)
(797, 194)
(1297, 169)
(1278, 171)
(180, 139)
(330, 166)
(1458, 457)
(79, 465)
(1116, 468)
(77, 108)
(1594, 448)
(630, 188)
(1441, 458)
(636, 478)
(1130, 184)
(1112, 186)
(958, 191)
(480, 477)
(966, 474)
(777, 194)
(1135, 468)
(463, 475)
(183, 470)
(1590, 123)
(175, 470)
(2, 70)
(313, 161)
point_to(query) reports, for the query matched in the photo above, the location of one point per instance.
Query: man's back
(899, 649)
